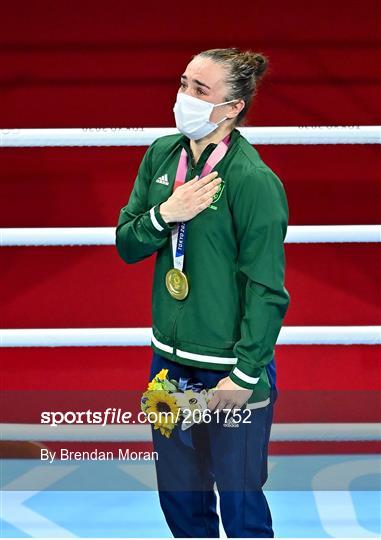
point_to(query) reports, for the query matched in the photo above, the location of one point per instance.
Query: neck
(216, 136)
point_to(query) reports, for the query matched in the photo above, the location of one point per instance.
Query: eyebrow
(196, 81)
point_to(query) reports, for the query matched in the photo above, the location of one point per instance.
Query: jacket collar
(185, 143)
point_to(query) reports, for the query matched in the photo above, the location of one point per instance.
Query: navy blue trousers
(233, 457)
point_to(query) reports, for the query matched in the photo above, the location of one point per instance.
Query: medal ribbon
(178, 234)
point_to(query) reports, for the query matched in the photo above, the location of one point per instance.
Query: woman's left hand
(228, 395)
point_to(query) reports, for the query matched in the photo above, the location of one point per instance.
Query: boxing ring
(13, 500)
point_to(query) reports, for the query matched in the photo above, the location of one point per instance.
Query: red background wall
(105, 64)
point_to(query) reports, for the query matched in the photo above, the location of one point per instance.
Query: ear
(236, 108)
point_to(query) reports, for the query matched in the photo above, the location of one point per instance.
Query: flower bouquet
(170, 403)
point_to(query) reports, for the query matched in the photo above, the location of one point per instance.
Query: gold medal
(177, 284)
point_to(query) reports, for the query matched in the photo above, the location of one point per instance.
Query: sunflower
(163, 409)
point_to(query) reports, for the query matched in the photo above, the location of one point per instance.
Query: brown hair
(244, 71)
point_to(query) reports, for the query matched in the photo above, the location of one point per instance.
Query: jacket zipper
(174, 328)
(174, 336)
(192, 169)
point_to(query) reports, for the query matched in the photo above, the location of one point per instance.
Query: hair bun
(259, 63)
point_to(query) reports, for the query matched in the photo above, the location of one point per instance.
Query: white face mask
(192, 116)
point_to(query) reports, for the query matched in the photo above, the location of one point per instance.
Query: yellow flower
(154, 385)
(162, 374)
(162, 411)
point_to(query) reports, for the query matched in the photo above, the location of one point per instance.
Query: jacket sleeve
(141, 230)
(260, 214)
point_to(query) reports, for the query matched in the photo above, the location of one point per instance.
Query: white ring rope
(145, 136)
(105, 236)
(141, 337)
(142, 433)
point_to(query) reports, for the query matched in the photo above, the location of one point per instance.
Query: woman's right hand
(190, 198)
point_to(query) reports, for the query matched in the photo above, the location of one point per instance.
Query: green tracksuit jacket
(234, 261)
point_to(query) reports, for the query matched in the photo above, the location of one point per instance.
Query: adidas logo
(163, 180)
(230, 423)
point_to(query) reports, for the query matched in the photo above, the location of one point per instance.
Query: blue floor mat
(304, 512)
